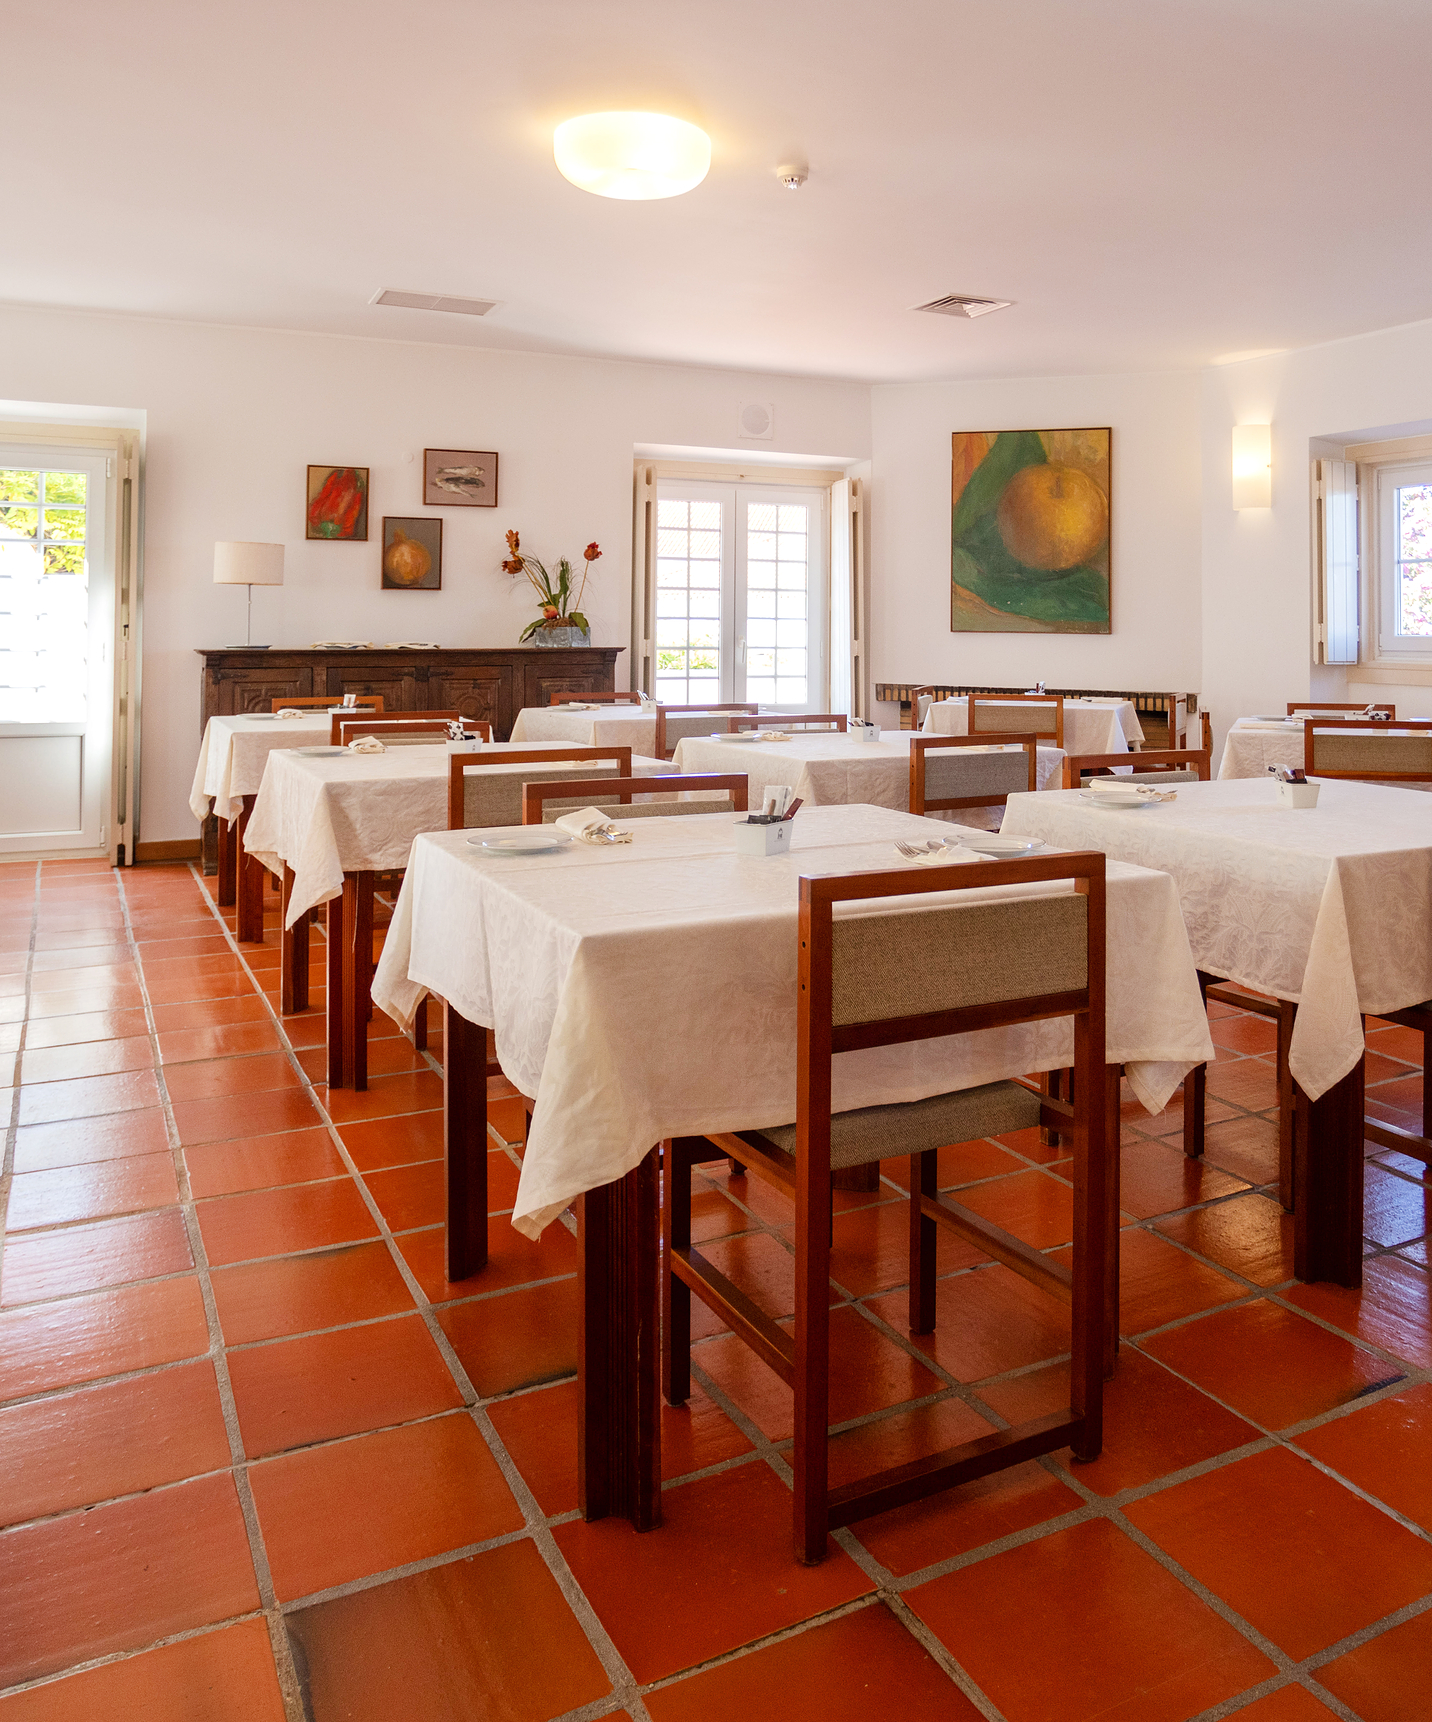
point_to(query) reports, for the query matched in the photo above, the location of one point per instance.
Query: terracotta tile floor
(261, 1462)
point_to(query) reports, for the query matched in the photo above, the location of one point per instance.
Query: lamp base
(243, 646)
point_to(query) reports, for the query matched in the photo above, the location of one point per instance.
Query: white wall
(1155, 532)
(1257, 565)
(234, 416)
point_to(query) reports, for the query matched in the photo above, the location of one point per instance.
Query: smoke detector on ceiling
(434, 302)
(758, 420)
(964, 305)
(793, 174)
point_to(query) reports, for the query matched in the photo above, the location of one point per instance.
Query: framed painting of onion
(412, 553)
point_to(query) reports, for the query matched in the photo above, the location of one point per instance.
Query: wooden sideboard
(493, 683)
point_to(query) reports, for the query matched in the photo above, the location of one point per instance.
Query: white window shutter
(1339, 560)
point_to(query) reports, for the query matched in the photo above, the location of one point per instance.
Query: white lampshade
(632, 155)
(239, 564)
(1252, 466)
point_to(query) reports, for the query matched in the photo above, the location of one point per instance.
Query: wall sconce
(1252, 466)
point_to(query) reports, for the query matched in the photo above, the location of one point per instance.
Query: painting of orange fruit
(1029, 532)
(412, 553)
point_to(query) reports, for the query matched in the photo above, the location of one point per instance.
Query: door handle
(741, 650)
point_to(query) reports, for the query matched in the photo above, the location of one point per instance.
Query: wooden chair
(321, 702)
(1163, 709)
(1025, 716)
(1317, 706)
(619, 699)
(419, 728)
(944, 775)
(1368, 750)
(920, 701)
(792, 721)
(481, 792)
(887, 979)
(1418, 1017)
(613, 796)
(1177, 765)
(675, 723)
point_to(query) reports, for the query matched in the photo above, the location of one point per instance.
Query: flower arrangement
(561, 607)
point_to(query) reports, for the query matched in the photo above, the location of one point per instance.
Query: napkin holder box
(476, 745)
(771, 839)
(864, 732)
(1297, 794)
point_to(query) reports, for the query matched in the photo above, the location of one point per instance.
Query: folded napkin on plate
(764, 734)
(941, 857)
(288, 711)
(1122, 786)
(366, 744)
(582, 706)
(591, 825)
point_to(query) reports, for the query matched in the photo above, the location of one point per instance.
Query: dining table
(1091, 726)
(827, 767)
(232, 755)
(1254, 745)
(328, 821)
(590, 725)
(1328, 907)
(560, 953)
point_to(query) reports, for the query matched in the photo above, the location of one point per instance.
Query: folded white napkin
(1122, 786)
(366, 744)
(343, 645)
(583, 706)
(942, 857)
(591, 825)
(756, 735)
(288, 712)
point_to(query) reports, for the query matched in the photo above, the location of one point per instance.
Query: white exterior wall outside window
(741, 594)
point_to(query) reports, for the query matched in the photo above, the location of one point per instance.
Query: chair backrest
(544, 802)
(1368, 748)
(1169, 712)
(1041, 714)
(619, 699)
(675, 723)
(1207, 727)
(317, 702)
(946, 772)
(484, 790)
(792, 720)
(1319, 707)
(1156, 766)
(434, 721)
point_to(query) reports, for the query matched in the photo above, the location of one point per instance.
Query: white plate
(261, 717)
(1002, 848)
(739, 735)
(1112, 798)
(539, 843)
(319, 752)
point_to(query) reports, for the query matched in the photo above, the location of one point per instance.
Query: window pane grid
(688, 600)
(44, 595)
(1414, 560)
(777, 592)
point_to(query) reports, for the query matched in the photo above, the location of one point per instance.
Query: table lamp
(250, 565)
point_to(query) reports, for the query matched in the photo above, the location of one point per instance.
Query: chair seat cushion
(882, 1132)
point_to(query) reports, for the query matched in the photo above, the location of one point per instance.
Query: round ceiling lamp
(631, 155)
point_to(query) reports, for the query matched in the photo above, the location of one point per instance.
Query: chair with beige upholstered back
(485, 790)
(1043, 714)
(871, 976)
(954, 771)
(418, 727)
(675, 723)
(542, 803)
(586, 698)
(1368, 749)
(1334, 708)
(798, 723)
(1159, 768)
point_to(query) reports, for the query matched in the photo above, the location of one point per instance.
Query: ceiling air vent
(758, 420)
(434, 302)
(963, 305)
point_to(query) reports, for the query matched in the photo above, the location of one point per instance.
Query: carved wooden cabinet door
(482, 691)
(253, 688)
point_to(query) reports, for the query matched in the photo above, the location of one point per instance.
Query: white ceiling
(1156, 183)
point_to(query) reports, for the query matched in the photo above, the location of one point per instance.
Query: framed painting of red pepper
(338, 503)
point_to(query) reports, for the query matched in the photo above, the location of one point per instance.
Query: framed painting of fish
(459, 478)
(338, 504)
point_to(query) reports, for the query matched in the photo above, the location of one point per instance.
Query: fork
(913, 850)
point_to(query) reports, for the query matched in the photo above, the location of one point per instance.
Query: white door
(57, 620)
(742, 582)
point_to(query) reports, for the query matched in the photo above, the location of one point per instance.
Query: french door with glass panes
(57, 621)
(742, 581)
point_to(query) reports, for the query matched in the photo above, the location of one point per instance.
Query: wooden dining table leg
(228, 882)
(1327, 1183)
(357, 975)
(249, 888)
(293, 953)
(1287, 1106)
(1113, 1171)
(464, 1142)
(337, 912)
(618, 1349)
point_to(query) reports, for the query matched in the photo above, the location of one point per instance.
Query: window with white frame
(1401, 546)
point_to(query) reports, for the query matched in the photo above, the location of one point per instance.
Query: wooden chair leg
(464, 1144)
(810, 1458)
(1054, 1083)
(358, 978)
(1113, 1118)
(420, 1026)
(228, 881)
(1288, 1108)
(293, 953)
(675, 1293)
(1195, 1107)
(336, 966)
(924, 1181)
(249, 887)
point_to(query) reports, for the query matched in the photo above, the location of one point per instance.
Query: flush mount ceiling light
(631, 155)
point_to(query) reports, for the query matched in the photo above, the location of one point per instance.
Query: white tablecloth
(356, 812)
(1330, 906)
(650, 991)
(1252, 745)
(828, 769)
(1090, 726)
(612, 726)
(235, 750)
